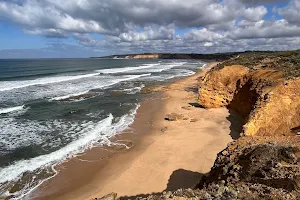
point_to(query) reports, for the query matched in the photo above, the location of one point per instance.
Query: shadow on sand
(236, 124)
(179, 179)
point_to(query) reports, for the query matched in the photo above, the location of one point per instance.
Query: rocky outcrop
(269, 103)
(258, 168)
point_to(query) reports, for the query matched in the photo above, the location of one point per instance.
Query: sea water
(53, 109)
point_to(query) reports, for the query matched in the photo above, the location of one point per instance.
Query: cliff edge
(267, 97)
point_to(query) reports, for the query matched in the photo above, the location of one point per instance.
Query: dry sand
(168, 156)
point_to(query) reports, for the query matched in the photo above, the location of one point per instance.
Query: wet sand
(164, 155)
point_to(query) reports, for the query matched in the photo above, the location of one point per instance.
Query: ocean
(53, 109)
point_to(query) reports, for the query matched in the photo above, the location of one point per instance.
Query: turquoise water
(53, 109)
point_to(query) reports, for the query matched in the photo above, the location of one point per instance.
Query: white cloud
(291, 12)
(265, 29)
(202, 35)
(149, 33)
(115, 17)
(208, 44)
(255, 14)
(152, 25)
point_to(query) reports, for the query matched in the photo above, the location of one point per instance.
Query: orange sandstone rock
(218, 87)
(279, 111)
(269, 103)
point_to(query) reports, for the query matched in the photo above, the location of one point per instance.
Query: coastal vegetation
(286, 61)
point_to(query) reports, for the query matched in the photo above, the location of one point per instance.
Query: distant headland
(215, 56)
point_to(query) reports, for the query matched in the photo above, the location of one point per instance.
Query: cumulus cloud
(255, 14)
(149, 33)
(156, 25)
(202, 35)
(291, 12)
(265, 29)
(118, 16)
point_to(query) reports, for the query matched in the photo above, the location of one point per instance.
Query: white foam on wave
(174, 74)
(160, 68)
(68, 96)
(183, 72)
(99, 134)
(10, 85)
(112, 82)
(15, 134)
(134, 90)
(11, 109)
(125, 69)
(18, 133)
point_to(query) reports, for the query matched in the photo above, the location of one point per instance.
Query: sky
(84, 28)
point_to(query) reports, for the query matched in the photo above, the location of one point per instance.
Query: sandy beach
(165, 155)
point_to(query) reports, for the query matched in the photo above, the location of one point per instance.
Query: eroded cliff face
(218, 87)
(269, 103)
(277, 112)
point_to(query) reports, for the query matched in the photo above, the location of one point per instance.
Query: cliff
(258, 168)
(267, 96)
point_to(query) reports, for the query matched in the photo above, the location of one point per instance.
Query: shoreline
(103, 170)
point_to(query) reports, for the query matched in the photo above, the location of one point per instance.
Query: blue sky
(50, 28)
(12, 37)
